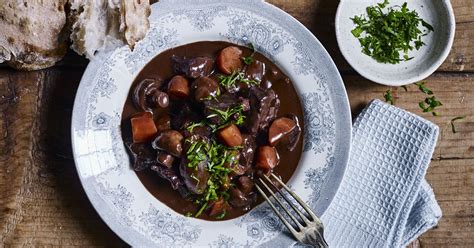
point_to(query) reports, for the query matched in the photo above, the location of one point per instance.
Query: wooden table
(43, 204)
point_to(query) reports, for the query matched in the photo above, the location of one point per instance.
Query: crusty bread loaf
(31, 33)
(100, 24)
(134, 20)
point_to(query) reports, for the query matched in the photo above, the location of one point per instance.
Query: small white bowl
(438, 13)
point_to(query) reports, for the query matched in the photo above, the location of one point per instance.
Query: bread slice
(32, 33)
(97, 25)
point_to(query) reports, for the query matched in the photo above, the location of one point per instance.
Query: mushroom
(165, 159)
(147, 95)
(163, 123)
(169, 141)
(141, 155)
(169, 175)
(239, 199)
(255, 71)
(245, 184)
(205, 87)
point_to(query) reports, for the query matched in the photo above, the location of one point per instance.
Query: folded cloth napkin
(383, 199)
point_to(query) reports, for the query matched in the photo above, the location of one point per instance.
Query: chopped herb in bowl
(387, 34)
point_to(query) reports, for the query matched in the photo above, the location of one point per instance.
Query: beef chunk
(199, 131)
(248, 151)
(255, 71)
(223, 103)
(169, 175)
(142, 154)
(195, 179)
(264, 105)
(182, 114)
(245, 184)
(239, 199)
(192, 67)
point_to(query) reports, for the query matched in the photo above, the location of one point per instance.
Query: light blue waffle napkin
(383, 199)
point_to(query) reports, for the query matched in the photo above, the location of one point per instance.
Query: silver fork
(310, 229)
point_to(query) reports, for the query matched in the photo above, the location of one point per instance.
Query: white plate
(102, 162)
(438, 13)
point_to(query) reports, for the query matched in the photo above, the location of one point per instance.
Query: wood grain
(41, 199)
(42, 203)
(457, 99)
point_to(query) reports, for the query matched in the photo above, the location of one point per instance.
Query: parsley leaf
(453, 128)
(219, 161)
(388, 34)
(424, 89)
(235, 113)
(248, 60)
(388, 96)
(429, 105)
(192, 125)
(222, 215)
(233, 79)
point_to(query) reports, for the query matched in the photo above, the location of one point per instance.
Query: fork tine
(281, 205)
(302, 203)
(302, 216)
(288, 225)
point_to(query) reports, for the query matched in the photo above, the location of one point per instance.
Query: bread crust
(32, 33)
(97, 25)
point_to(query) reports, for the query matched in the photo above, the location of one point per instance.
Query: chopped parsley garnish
(249, 59)
(219, 160)
(453, 127)
(251, 46)
(388, 34)
(193, 125)
(430, 104)
(388, 96)
(234, 114)
(213, 96)
(235, 78)
(222, 215)
(196, 153)
(423, 88)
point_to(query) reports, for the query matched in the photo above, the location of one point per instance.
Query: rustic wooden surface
(41, 199)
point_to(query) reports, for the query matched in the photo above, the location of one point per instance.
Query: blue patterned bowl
(101, 159)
